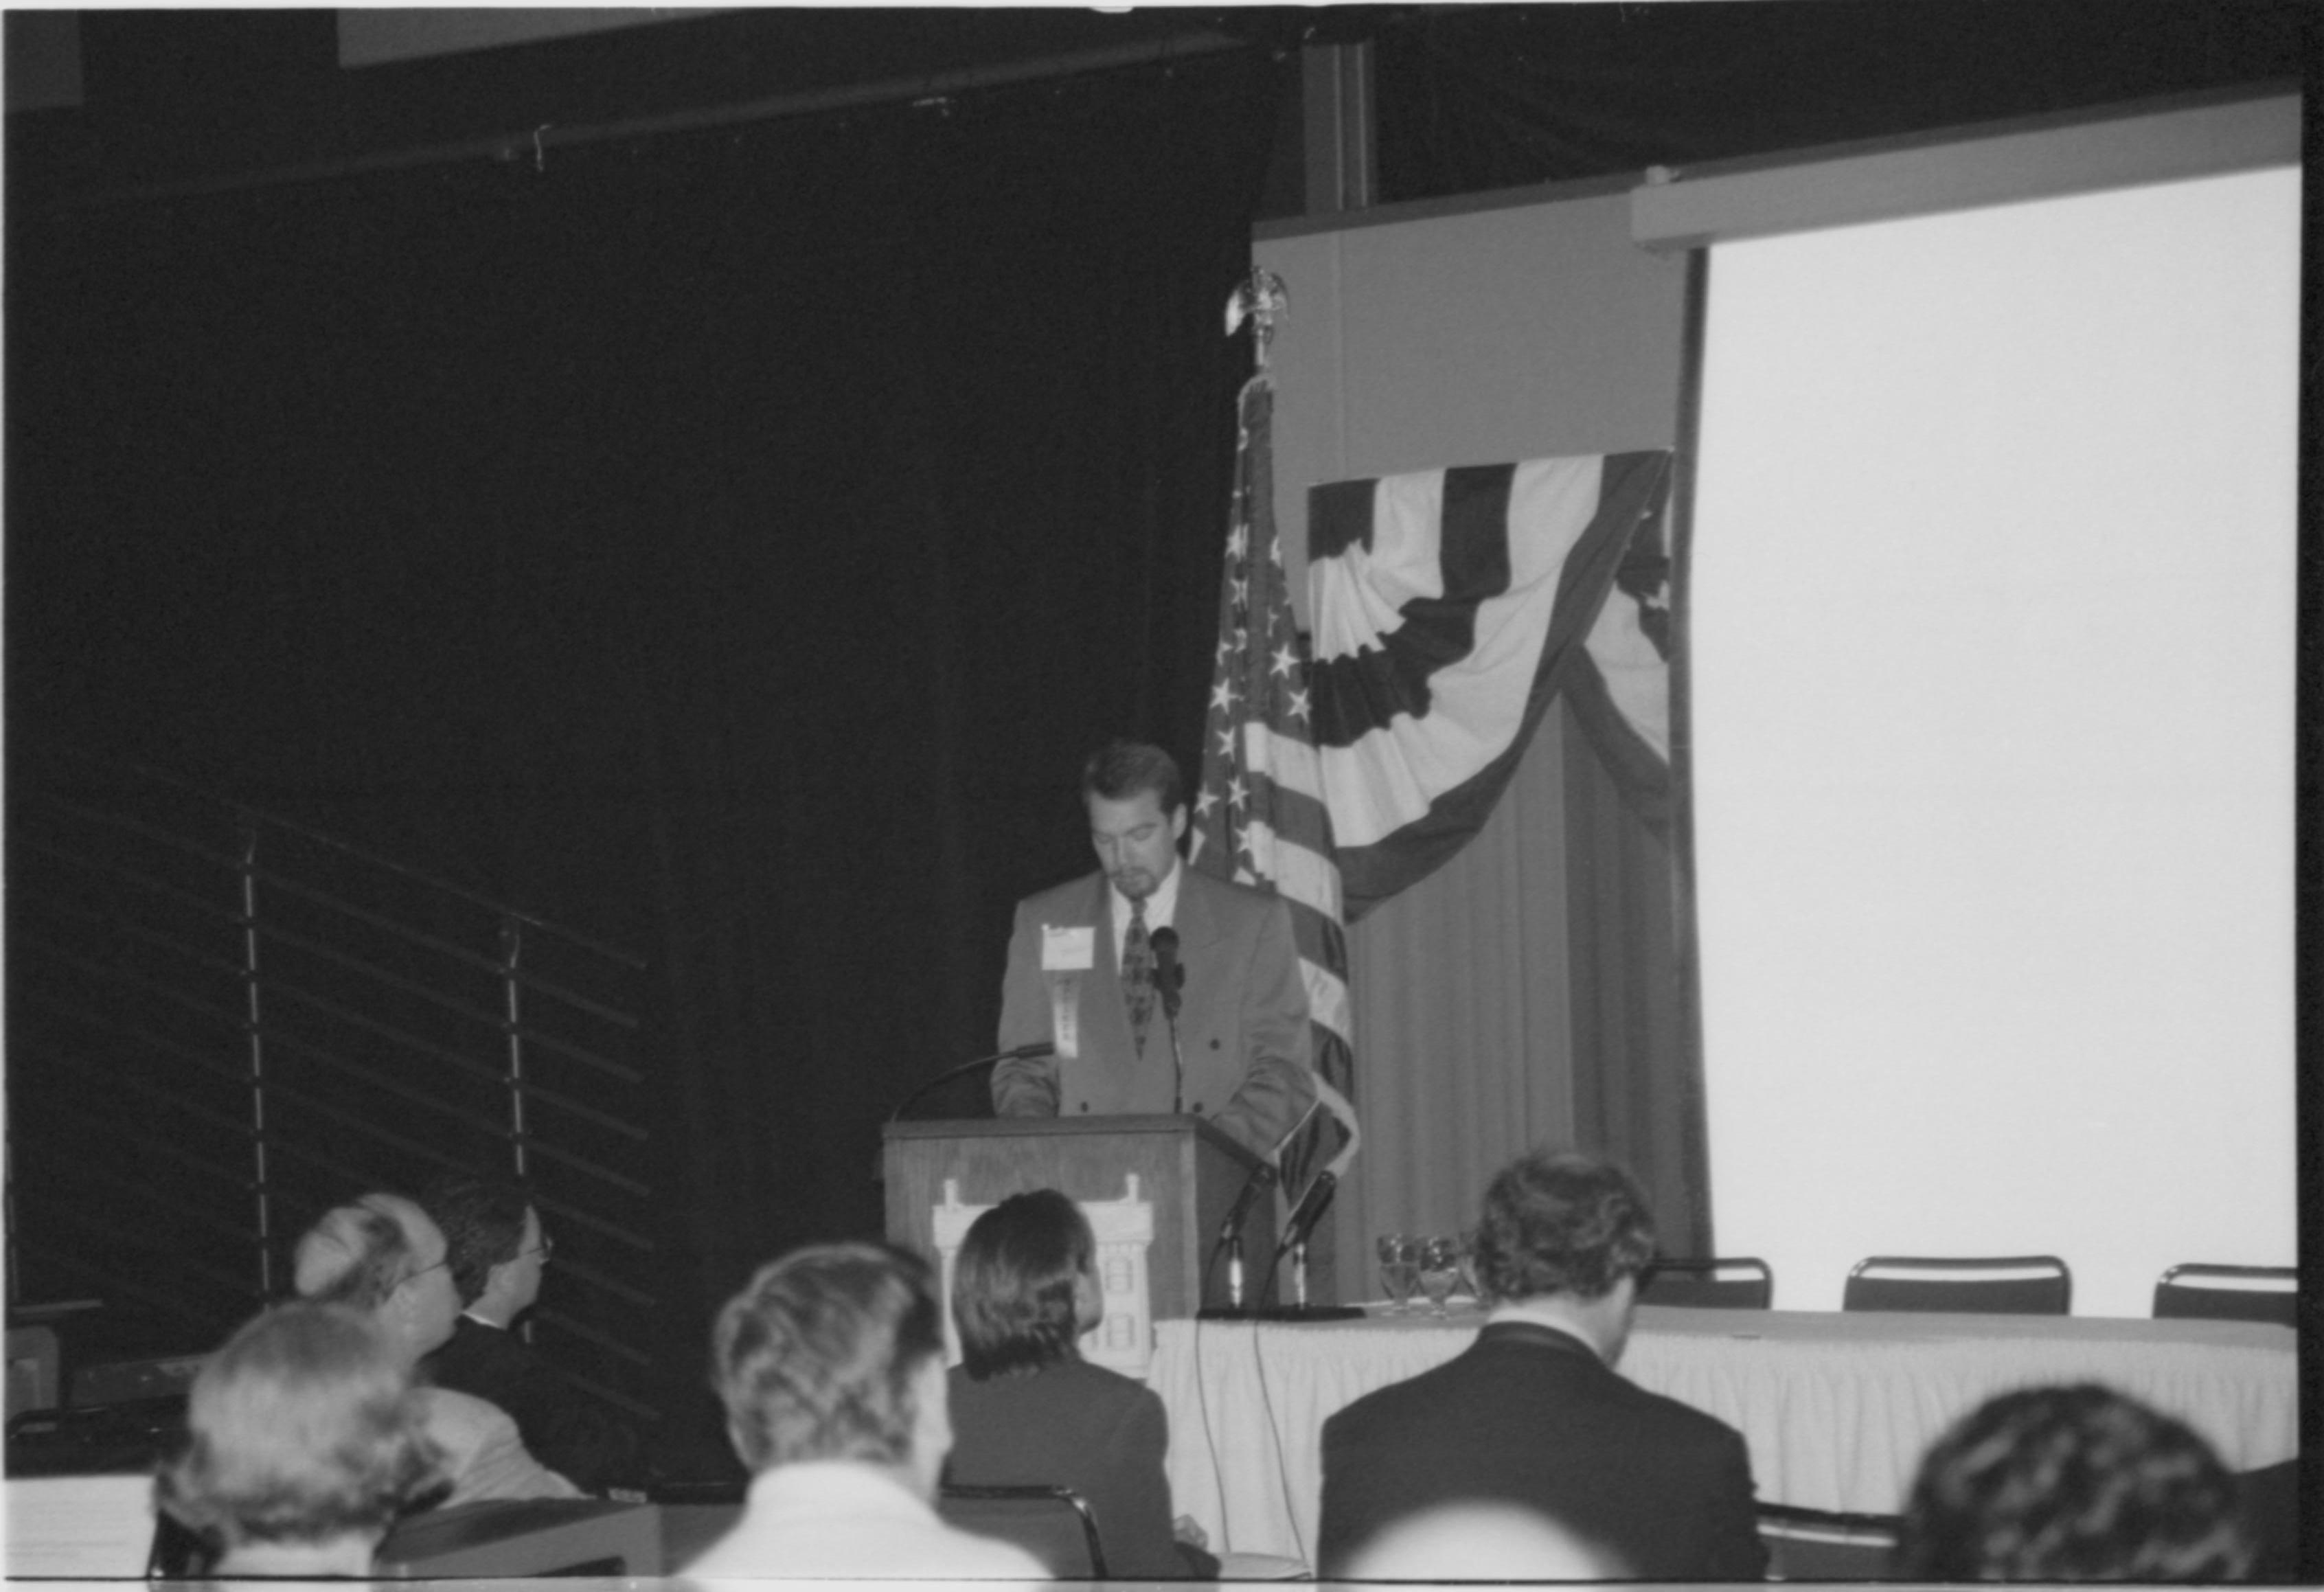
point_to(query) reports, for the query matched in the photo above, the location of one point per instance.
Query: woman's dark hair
(2071, 1484)
(1013, 1283)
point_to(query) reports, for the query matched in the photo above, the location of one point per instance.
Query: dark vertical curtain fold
(729, 543)
(1638, 1093)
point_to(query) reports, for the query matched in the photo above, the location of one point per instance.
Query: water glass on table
(1440, 1269)
(1399, 1263)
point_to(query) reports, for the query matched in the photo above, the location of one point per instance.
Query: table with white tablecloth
(1837, 1408)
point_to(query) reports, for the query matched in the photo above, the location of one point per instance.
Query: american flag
(1259, 814)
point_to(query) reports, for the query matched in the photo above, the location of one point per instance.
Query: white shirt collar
(1161, 907)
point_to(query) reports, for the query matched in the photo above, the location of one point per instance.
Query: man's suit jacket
(567, 1430)
(1242, 1025)
(1530, 1415)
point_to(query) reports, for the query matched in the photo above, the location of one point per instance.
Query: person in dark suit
(1082, 971)
(1027, 1410)
(496, 1253)
(1535, 1414)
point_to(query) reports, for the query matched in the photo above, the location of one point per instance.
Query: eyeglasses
(545, 1248)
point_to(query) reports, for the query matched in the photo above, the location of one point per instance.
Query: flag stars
(1226, 743)
(1238, 542)
(1298, 706)
(1203, 803)
(1241, 589)
(1236, 792)
(1283, 659)
(1223, 697)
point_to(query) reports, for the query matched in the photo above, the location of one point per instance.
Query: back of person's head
(1120, 769)
(356, 1256)
(2071, 1484)
(482, 1222)
(300, 1430)
(819, 1357)
(1561, 1223)
(1017, 1283)
(1482, 1542)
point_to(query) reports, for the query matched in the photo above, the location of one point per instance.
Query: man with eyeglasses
(383, 1255)
(497, 1253)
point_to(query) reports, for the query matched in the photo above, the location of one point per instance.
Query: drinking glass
(1399, 1266)
(1440, 1268)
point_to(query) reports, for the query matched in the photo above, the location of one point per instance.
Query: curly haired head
(1561, 1223)
(1016, 1284)
(302, 1429)
(2071, 1484)
(816, 1359)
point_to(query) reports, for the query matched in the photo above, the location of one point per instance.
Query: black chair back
(2188, 1292)
(1052, 1523)
(2006, 1284)
(1825, 1545)
(1737, 1283)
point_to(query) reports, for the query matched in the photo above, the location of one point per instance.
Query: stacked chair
(2229, 1294)
(2008, 1284)
(1741, 1282)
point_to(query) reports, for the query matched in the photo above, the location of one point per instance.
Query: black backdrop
(728, 542)
(725, 544)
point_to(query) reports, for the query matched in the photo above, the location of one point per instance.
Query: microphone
(1310, 1208)
(1023, 1053)
(1169, 977)
(1263, 1177)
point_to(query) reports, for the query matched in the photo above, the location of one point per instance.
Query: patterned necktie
(1137, 973)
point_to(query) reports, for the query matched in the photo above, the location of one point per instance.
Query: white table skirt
(1837, 1408)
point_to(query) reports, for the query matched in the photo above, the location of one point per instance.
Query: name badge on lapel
(1067, 951)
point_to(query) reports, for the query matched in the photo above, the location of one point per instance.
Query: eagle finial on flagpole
(1261, 300)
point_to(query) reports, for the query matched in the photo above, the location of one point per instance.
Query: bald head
(381, 1255)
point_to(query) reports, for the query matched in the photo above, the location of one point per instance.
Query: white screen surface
(1991, 630)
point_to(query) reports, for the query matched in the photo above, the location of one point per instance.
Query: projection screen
(1991, 611)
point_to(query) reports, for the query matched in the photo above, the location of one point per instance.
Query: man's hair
(815, 1360)
(482, 1222)
(356, 1256)
(2071, 1484)
(1119, 769)
(1561, 1223)
(1013, 1283)
(302, 1429)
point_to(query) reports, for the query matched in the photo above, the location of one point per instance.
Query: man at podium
(1162, 989)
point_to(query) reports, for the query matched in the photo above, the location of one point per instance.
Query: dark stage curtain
(727, 543)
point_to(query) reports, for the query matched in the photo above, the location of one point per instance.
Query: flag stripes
(1450, 606)
(1260, 816)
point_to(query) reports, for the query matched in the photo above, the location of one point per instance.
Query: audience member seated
(2071, 1484)
(1482, 1542)
(303, 1441)
(383, 1258)
(1533, 1413)
(831, 1366)
(497, 1254)
(1027, 1408)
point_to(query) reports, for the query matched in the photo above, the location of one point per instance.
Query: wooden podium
(1188, 1169)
